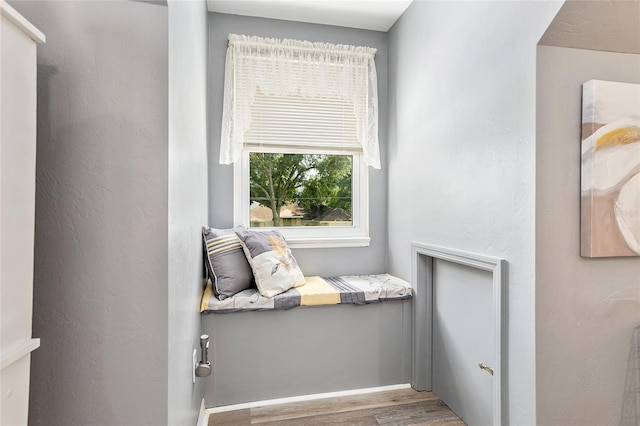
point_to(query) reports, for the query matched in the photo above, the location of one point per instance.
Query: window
(300, 127)
(300, 189)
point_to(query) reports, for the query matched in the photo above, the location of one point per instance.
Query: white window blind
(282, 121)
(293, 93)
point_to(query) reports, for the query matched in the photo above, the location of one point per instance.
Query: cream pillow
(274, 267)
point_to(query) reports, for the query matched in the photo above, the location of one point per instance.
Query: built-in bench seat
(349, 289)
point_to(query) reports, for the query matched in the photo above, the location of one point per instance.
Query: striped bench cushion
(350, 289)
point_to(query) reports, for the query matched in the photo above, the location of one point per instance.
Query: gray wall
(609, 26)
(264, 355)
(188, 202)
(355, 347)
(585, 308)
(100, 284)
(312, 261)
(462, 120)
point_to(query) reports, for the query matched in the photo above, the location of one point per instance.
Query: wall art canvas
(610, 183)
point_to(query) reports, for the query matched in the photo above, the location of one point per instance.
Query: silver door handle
(485, 368)
(203, 368)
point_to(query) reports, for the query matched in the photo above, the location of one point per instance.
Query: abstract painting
(610, 184)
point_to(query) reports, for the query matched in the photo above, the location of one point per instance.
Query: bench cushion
(351, 289)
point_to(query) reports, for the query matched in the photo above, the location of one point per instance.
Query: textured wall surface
(307, 350)
(462, 121)
(586, 309)
(285, 332)
(188, 202)
(100, 278)
(312, 261)
(612, 26)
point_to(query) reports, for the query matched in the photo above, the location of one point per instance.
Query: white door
(463, 338)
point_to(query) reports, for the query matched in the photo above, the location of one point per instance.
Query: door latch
(485, 368)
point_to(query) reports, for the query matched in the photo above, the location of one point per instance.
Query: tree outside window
(300, 189)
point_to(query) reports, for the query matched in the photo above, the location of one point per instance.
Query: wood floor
(392, 408)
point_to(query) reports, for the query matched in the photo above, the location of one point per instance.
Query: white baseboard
(300, 398)
(203, 416)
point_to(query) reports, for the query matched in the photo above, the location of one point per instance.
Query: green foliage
(315, 182)
(330, 187)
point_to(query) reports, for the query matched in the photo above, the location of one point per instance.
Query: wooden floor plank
(350, 418)
(339, 405)
(392, 408)
(415, 413)
(456, 422)
(231, 418)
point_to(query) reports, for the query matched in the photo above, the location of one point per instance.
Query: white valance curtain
(257, 66)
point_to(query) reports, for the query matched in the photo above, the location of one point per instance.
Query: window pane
(300, 189)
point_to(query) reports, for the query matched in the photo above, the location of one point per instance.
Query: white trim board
(15, 353)
(19, 21)
(203, 415)
(301, 398)
(422, 256)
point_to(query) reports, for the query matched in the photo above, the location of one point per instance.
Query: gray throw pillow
(226, 262)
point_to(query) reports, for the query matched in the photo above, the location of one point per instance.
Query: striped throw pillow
(227, 265)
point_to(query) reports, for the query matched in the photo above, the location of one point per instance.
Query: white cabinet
(18, 40)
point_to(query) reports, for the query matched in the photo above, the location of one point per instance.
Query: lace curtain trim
(297, 68)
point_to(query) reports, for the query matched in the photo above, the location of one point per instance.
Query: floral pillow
(274, 267)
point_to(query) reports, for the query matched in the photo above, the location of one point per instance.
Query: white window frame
(356, 235)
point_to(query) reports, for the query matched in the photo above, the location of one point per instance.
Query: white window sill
(332, 242)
